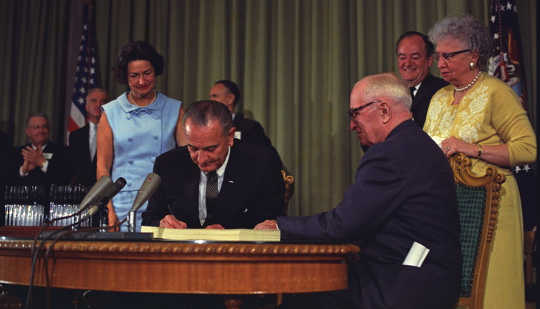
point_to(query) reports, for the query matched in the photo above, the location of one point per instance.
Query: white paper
(238, 135)
(416, 256)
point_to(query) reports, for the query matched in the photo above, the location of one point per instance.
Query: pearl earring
(471, 65)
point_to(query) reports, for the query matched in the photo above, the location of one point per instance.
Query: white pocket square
(416, 256)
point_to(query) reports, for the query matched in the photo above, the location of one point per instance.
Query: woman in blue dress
(136, 127)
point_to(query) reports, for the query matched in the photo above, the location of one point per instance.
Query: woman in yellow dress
(482, 117)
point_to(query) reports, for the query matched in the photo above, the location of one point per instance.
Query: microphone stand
(132, 222)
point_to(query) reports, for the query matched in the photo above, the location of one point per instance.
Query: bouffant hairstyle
(468, 30)
(136, 50)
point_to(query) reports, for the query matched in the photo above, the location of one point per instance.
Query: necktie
(211, 196)
(412, 91)
(92, 141)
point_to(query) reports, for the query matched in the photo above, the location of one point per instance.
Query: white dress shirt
(202, 187)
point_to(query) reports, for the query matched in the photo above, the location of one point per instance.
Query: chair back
(478, 200)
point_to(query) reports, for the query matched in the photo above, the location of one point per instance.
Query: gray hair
(387, 85)
(469, 31)
(202, 112)
(36, 114)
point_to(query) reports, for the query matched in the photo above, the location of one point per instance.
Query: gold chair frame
(491, 181)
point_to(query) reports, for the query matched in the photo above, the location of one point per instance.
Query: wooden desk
(180, 267)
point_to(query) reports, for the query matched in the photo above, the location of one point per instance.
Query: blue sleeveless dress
(140, 134)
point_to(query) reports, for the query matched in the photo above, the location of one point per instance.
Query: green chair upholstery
(471, 204)
(478, 200)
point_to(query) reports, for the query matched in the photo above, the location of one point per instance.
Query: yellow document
(212, 235)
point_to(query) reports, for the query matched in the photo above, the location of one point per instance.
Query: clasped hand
(32, 158)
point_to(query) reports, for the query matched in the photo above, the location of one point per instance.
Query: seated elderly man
(41, 162)
(213, 182)
(401, 210)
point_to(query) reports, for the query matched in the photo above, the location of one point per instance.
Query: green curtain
(295, 61)
(32, 63)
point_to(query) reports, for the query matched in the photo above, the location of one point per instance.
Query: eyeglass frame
(448, 56)
(353, 112)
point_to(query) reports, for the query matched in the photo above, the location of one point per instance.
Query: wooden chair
(288, 180)
(478, 200)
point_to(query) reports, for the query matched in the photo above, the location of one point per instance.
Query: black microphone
(148, 188)
(103, 184)
(106, 195)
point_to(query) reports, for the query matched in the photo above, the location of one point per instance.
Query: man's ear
(230, 136)
(385, 111)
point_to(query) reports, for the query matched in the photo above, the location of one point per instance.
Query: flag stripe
(85, 74)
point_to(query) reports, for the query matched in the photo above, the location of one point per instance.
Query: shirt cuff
(21, 173)
(45, 166)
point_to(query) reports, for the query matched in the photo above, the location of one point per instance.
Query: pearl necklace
(469, 85)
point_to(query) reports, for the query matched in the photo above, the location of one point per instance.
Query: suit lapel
(191, 189)
(86, 143)
(424, 88)
(230, 188)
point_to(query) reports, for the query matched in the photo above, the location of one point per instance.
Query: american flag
(505, 63)
(85, 74)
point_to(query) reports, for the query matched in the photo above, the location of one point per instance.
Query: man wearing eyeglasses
(414, 53)
(41, 161)
(401, 211)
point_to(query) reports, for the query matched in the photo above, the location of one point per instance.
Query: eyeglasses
(353, 112)
(448, 56)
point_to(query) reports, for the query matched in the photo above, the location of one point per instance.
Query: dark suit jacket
(84, 169)
(251, 131)
(7, 161)
(404, 192)
(58, 170)
(252, 188)
(421, 100)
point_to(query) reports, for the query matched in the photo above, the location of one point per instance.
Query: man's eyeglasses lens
(353, 112)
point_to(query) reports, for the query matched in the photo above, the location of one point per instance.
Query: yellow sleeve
(512, 124)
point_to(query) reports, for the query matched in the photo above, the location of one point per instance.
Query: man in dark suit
(414, 53)
(247, 130)
(82, 142)
(214, 182)
(41, 161)
(401, 211)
